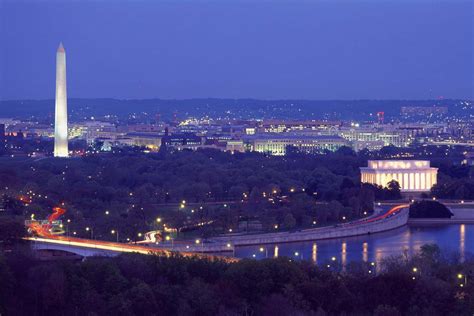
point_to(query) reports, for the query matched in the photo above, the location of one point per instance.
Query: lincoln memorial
(412, 175)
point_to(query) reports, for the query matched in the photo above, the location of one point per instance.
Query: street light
(168, 238)
(197, 241)
(233, 249)
(91, 230)
(461, 276)
(262, 249)
(115, 232)
(158, 220)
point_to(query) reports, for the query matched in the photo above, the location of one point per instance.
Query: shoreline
(397, 220)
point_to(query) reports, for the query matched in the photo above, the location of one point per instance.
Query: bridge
(87, 247)
(44, 238)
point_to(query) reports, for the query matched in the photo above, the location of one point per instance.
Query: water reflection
(365, 252)
(344, 254)
(314, 254)
(451, 238)
(462, 245)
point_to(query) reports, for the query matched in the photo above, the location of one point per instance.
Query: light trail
(44, 235)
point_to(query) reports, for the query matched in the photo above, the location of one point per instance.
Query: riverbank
(463, 214)
(394, 218)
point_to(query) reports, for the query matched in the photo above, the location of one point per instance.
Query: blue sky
(258, 49)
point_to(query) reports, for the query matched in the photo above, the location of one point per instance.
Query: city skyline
(359, 51)
(238, 157)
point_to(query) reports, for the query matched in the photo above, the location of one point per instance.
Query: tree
(289, 221)
(11, 231)
(142, 299)
(393, 190)
(429, 209)
(386, 310)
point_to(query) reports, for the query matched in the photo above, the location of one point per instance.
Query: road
(393, 218)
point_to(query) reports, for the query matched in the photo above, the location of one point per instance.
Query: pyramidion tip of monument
(61, 47)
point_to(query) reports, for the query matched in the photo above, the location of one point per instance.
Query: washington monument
(60, 118)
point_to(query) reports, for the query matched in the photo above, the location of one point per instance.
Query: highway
(394, 217)
(43, 234)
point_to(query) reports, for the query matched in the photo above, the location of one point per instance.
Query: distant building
(183, 141)
(469, 158)
(412, 175)
(93, 130)
(277, 144)
(2, 138)
(408, 111)
(235, 146)
(152, 141)
(374, 138)
(285, 126)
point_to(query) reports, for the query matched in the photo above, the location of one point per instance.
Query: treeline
(427, 284)
(429, 209)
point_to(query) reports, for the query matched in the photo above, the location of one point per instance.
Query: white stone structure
(60, 119)
(412, 175)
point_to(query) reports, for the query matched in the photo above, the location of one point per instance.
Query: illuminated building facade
(2, 138)
(397, 138)
(277, 145)
(412, 175)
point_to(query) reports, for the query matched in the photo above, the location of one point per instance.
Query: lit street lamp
(91, 230)
(115, 232)
(262, 249)
(168, 238)
(233, 249)
(202, 244)
(462, 276)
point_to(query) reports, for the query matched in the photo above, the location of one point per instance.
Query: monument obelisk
(60, 117)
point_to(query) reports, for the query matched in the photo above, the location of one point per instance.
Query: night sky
(258, 49)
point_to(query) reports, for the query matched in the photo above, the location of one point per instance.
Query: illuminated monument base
(412, 175)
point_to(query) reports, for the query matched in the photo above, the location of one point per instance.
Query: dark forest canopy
(150, 285)
(135, 188)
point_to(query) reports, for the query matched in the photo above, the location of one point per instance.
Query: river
(452, 238)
